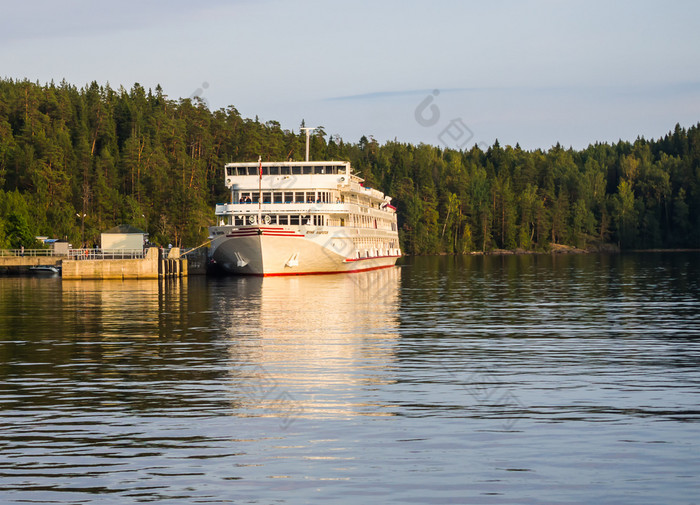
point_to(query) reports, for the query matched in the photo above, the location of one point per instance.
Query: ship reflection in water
(138, 308)
(312, 346)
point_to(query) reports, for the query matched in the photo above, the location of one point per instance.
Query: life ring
(251, 219)
(268, 219)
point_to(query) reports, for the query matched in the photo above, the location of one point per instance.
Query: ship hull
(277, 251)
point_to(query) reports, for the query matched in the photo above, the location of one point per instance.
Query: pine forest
(77, 161)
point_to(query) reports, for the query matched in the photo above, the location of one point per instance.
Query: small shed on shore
(123, 237)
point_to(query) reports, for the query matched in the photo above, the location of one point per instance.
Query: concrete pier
(29, 261)
(153, 266)
(113, 264)
(172, 265)
(146, 268)
(22, 264)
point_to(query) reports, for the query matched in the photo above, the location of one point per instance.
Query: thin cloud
(656, 88)
(399, 93)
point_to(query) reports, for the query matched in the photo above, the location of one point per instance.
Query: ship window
(283, 219)
(296, 170)
(288, 197)
(319, 170)
(256, 197)
(278, 196)
(252, 170)
(299, 197)
(294, 220)
(267, 197)
(274, 170)
(285, 171)
(308, 170)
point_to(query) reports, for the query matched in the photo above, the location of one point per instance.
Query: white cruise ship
(305, 217)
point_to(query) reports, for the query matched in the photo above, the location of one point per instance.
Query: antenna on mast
(308, 135)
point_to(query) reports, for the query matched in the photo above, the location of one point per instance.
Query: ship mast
(308, 135)
(259, 190)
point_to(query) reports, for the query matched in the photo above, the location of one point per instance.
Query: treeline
(644, 194)
(75, 162)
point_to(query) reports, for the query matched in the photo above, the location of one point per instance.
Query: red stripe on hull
(291, 274)
(265, 233)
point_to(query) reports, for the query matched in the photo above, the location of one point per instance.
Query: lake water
(476, 380)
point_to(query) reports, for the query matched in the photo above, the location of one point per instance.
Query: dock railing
(106, 254)
(28, 252)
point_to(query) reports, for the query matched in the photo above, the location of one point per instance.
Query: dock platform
(153, 263)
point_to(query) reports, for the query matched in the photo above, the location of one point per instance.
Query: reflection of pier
(308, 346)
(152, 306)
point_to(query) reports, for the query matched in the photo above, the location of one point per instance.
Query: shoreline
(562, 249)
(554, 249)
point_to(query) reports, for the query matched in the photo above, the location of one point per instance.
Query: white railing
(223, 209)
(28, 252)
(106, 254)
(366, 191)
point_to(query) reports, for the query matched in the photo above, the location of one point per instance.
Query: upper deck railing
(298, 208)
(366, 191)
(288, 168)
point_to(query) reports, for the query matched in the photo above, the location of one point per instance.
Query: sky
(441, 72)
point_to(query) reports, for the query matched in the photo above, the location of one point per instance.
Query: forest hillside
(77, 161)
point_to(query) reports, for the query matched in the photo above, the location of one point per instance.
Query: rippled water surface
(478, 380)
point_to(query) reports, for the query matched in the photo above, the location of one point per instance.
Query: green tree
(626, 214)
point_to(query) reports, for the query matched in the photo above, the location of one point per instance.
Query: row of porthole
(376, 253)
(254, 219)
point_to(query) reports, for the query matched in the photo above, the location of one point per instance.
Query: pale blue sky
(534, 72)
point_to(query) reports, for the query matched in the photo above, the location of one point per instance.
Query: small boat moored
(45, 270)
